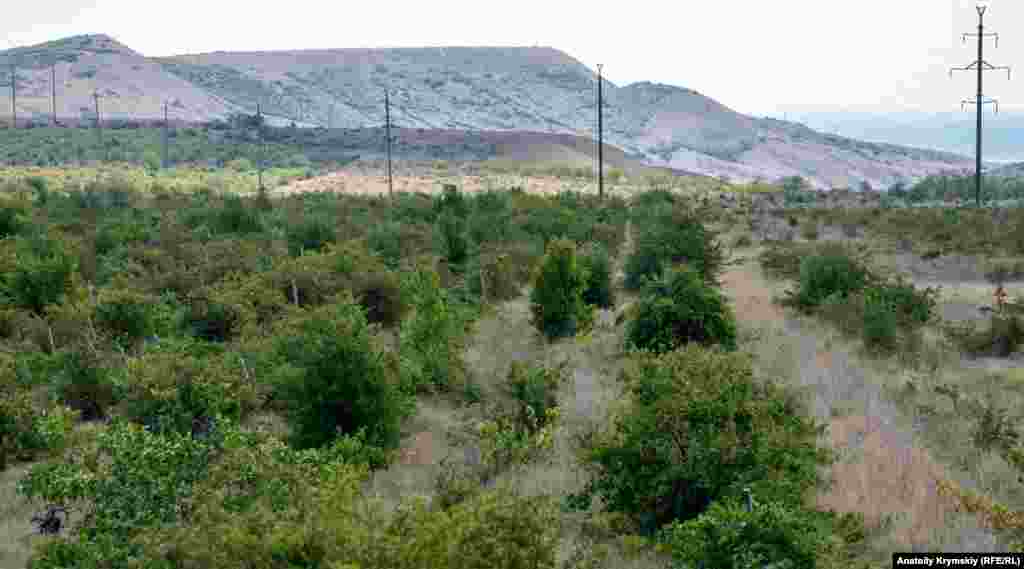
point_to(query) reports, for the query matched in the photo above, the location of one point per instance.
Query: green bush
(83, 384)
(307, 510)
(453, 236)
(432, 338)
(210, 320)
(10, 220)
(386, 240)
(235, 216)
(172, 388)
(674, 237)
(556, 301)
(697, 427)
(680, 308)
(310, 235)
(336, 381)
(773, 535)
(128, 480)
(126, 315)
(598, 266)
(536, 391)
(380, 295)
(28, 430)
(42, 274)
(833, 271)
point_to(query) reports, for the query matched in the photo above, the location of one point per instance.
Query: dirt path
(882, 470)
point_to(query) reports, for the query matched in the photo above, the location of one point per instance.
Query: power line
(979, 65)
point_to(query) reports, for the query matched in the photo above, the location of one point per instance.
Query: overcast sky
(758, 57)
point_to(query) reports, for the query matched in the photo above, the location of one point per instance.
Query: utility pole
(263, 148)
(166, 138)
(979, 65)
(387, 137)
(53, 90)
(600, 137)
(14, 97)
(99, 129)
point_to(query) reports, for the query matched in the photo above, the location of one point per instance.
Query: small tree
(680, 308)
(337, 382)
(557, 297)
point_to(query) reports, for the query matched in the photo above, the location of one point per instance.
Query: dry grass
(886, 471)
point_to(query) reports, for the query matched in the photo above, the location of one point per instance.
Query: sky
(762, 58)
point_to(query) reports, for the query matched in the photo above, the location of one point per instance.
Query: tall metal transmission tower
(979, 65)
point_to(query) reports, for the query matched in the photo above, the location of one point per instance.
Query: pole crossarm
(989, 101)
(989, 35)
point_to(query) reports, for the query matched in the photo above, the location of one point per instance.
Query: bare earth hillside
(514, 89)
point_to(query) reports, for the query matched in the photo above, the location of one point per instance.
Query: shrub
(236, 217)
(431, 339)
(597, 264)
(42, 274)
(83, 384)
(310, 235)
(125, 314)
(380, 295)
(210, 320)
(833, 271)
(452, 232)
(536, 391)
(336, 381)
(128, 480)
(673, 238)
(385, 240)
(773, 534)
(26, 429)
(556, 301)
(680, 308)
(696, 428)
(494, 277)
(305, 509)
(10, 220)
(175, 389)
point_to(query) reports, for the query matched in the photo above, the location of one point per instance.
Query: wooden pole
(99, 129)
(166, 138)
(53, 91)
(14, 97)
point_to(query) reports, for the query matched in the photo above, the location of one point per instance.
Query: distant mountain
(949, 131)
(467, 88)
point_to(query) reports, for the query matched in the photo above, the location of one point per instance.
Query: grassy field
(222, 282)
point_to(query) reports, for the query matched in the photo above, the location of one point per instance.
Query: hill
(518, 89)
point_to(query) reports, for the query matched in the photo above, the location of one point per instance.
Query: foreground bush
(306, 509)
(697, 427)
(27, 430)
(556, 301)
(773, 534)
(127, 480)
(335, 381)
(679, 308)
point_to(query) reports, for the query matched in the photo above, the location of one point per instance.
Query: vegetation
(699, 428)
(680, 308)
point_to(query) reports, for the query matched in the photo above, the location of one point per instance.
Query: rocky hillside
(466, 88)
